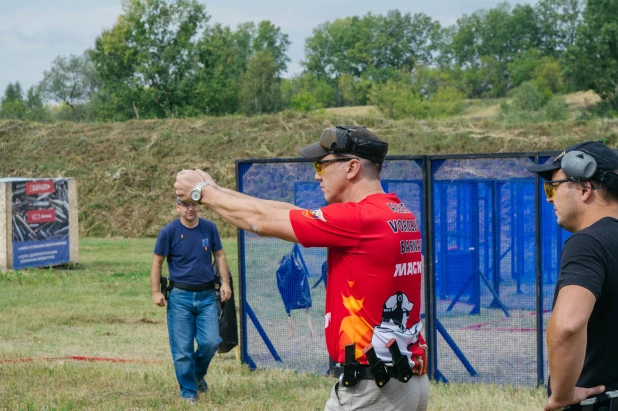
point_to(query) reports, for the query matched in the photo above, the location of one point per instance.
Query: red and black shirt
(373, 290)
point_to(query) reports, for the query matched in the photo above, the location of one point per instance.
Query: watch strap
(199, 187)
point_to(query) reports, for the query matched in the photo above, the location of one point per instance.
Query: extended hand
(206, 177)
(578, 395)
(158, 299)
(186, 181)
(226, 292)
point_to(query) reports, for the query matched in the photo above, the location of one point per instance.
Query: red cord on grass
(76, 358)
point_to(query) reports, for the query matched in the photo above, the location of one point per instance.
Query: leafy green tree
(525, 106)
(533, 103)
(251, 38)
(558, 24)
(13, 92)
(347, 88)
(394, 99)
(371, 43)
(221, 57)
(523, 66)
(323, 93)
(406, 40)
(36, 110)
(548, 73)
(71, 80)
(557, 109)
(147, 61)
(270, 38)
(524, 23)
(499, 33)
(492, 45)
(527, 97)
(338, 47)
(304, 102)
(260, 90)
(592, 62)
(162, 59)
(12, 103)
(495, 75)
(404, 97)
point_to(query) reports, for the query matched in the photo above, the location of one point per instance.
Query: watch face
(195, 195)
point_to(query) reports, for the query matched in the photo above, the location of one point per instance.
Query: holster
(376, 366)
(165, 289)
(607, 401)
(400, 362)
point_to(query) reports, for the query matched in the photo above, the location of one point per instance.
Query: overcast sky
(34, 32)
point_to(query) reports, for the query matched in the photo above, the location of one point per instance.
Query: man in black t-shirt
(582, 336)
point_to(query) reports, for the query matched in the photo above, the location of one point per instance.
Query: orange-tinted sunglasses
(320, 165)
(551, 186)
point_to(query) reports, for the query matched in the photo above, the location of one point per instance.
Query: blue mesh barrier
(484, 302)
(485, 272)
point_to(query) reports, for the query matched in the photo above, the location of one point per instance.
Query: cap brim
(313, 151)
(544, 170)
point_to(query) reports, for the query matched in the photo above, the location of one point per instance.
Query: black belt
(192, 287)
(364, 373)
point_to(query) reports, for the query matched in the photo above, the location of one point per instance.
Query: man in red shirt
(373, 294)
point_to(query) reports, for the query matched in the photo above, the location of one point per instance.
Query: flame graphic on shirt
(354, 328)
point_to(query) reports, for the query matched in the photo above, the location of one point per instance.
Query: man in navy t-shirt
(188, 244)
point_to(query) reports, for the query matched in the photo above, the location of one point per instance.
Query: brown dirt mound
(126, 171)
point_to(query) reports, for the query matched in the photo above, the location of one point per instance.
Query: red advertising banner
(40, 216)
(40, 187)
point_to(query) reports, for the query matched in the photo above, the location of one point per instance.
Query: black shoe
(202, 386)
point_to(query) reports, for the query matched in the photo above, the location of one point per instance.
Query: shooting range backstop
(491, 250)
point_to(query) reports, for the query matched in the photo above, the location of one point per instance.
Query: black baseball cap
(356, 140)
(605, 157)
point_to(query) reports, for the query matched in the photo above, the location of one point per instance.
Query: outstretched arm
(245, 212)
(276, 204)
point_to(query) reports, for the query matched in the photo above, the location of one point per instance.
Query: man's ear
(354, 168)
(586, 192)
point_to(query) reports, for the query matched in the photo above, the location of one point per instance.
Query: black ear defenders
(344, 141)
(339, 140)
(578, 165)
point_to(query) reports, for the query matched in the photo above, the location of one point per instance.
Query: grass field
(101, 308)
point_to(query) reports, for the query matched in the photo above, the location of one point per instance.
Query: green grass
(102, 308)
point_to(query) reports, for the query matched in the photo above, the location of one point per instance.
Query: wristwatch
(196, 193)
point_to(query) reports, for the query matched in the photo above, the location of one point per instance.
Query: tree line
(164, 58)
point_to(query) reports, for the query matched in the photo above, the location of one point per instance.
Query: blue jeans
(192, 315)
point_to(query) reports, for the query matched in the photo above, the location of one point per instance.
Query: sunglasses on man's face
(320, 165)
(185, 205)
(551, 187)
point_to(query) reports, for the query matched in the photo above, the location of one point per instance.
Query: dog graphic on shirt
(395, 314)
